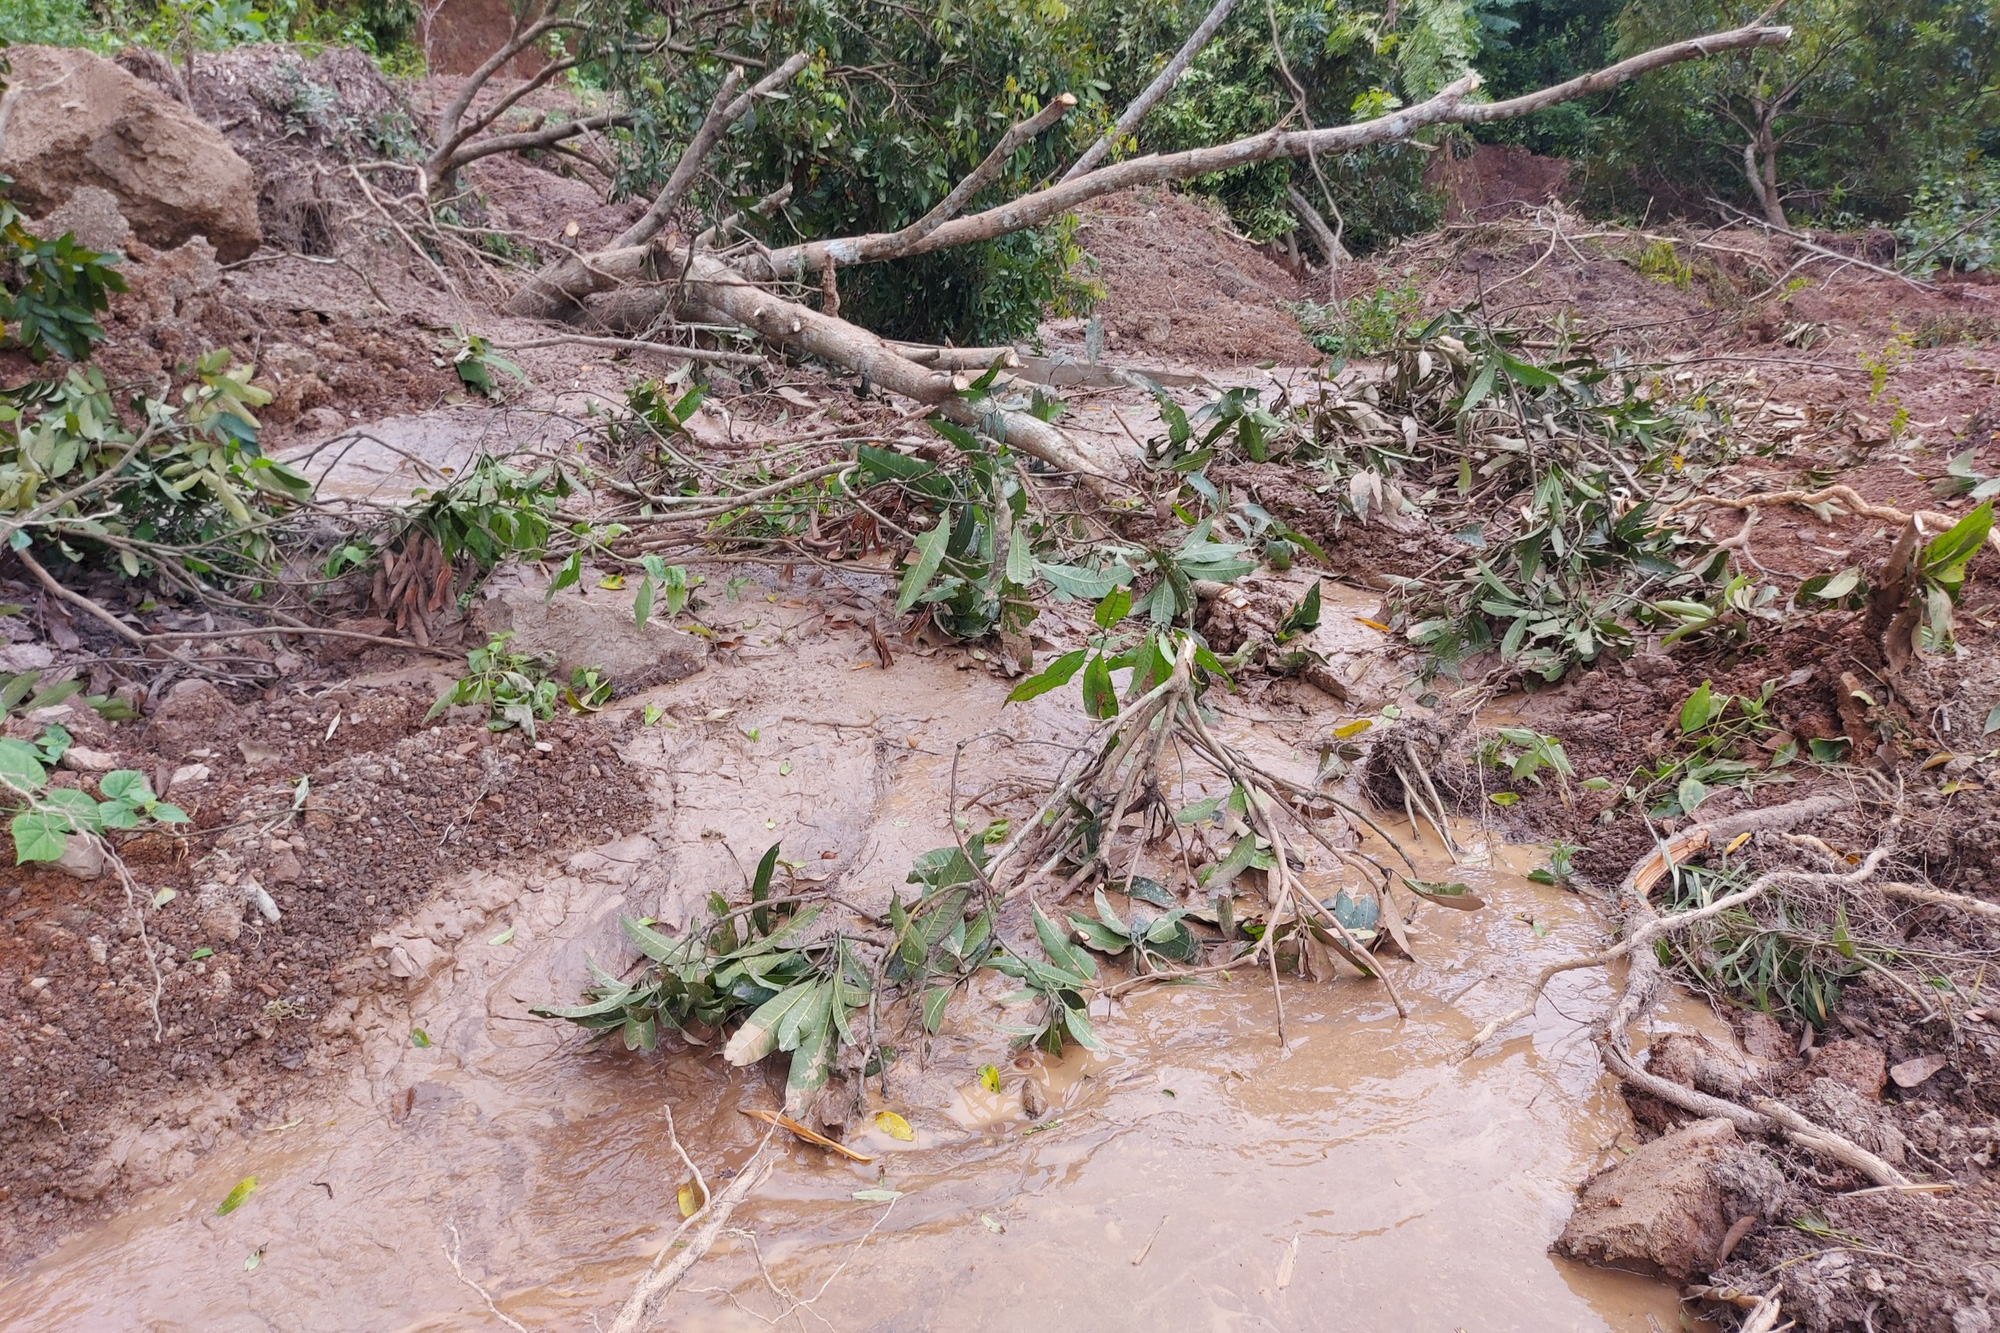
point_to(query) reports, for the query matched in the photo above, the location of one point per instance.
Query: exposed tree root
(1645, 981)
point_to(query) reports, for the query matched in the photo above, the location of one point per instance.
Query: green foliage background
(1896, 117)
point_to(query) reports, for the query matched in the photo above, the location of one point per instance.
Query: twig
(990, 166)
(451, 1255)
(659, 1281)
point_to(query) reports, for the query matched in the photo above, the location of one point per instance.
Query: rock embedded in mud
(72, 120)
(82, 857)
(1666, 1208)
(589, 628)
(1854, 1061)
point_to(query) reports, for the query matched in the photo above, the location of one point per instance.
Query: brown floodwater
(1192, 1176)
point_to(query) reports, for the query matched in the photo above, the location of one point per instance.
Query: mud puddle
(1193, 1176)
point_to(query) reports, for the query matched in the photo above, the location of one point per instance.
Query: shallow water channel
(1194, 1176)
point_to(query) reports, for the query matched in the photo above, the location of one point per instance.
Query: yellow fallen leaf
(689, 1200)
(1347, 729)
(989, 1078)
(1371, 624)
(895, 1127)
(235, 1197)
(1736, 842)
(612, 582)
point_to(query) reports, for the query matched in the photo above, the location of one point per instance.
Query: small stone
(83, 759)
(190, 775)
(82, 857)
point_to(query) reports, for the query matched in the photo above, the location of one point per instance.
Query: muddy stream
(1193, 1176)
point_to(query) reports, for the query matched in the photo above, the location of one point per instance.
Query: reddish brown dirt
(394, 807)
(1180, 284)
(1495, 180)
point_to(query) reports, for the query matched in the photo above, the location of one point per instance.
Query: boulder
(1665, 1209)
(71, 120)
(586, 626)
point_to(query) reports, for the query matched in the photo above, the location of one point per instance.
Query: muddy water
(1194, 1176)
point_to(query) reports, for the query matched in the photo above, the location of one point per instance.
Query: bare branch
(1449, 107)
(523, 38)
(721, 116)
(1128, 120)
(571, 278)
(983, 174)
(546, 137)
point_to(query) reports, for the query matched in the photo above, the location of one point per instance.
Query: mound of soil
(1494, 180)
(1180, 284)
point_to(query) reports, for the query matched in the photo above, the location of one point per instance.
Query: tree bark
(1760, 164)
(717, 292)
(1162, 84)
(562, 283)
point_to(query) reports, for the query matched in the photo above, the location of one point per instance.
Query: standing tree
(1842, 115)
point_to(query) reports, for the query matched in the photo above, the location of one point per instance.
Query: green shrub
(1954, 217)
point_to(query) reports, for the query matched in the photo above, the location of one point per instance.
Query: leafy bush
(51, 291)
(47, 22)
(44, 815)
(514, 688)
(186, 484)
(1367, 325)
(1954, 217)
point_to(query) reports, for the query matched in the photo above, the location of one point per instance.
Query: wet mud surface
(1194, 1172)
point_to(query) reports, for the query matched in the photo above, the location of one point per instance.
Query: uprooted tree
(654, 273)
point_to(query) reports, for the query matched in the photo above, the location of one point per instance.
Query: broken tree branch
(717, 291)
(570, 278)
(1449, 107)
(1162, 84)
(989, 167)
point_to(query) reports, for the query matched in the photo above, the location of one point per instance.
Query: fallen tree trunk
(713, 290)
(696, 282)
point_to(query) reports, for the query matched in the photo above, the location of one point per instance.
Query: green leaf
(75, 806)
(38, 835)
(934, 1003)
(1947, 555)
(1117, 604)
(1100, 697)
(1089, 584)
(1689, 794)
(20, 768)
(642, 602)
(1701, 709)
(127, 786)
(234, 1199)
(930, 550)
(1060, 951)
(758, 1036)
(420, 1039)
(1054, 676)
